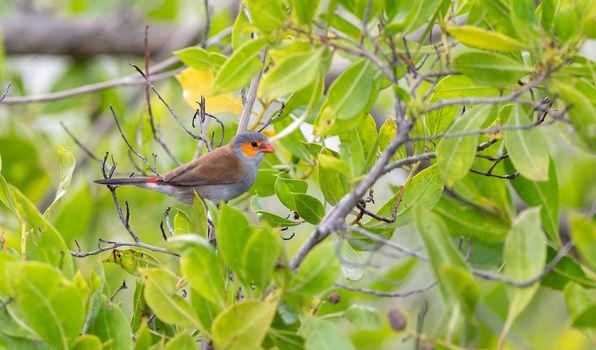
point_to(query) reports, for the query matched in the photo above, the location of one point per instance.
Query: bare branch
(250, 101)
(129, 80)
(115, 244)
(167, 220)
(387, 294)
(122, 287)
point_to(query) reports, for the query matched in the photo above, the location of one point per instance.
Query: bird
(219, 176)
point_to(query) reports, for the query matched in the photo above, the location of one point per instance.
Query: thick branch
(88, 37)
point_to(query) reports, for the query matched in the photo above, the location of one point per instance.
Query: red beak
(267, 148)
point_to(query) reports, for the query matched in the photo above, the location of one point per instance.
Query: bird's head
(252, 145)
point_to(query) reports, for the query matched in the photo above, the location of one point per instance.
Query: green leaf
(67, 165)
(527, 149)
(182, 223)
(286, 188)
(481, 38)
(306, 98)
(6, 195)
(309, 208)
(195, 57)
(49, 304)
(181, 341)
(581, 305)
(87, 342)
(242, 31)
(43, 242)
(293, 73)
(361, 79)
(267, 15)
(524, 255)
(243, 326)
(131, 260)
(489, 68)
(469, 221)
(304, 10)
(407, 16)
(240, 68)
(317, 272)
(425, 189)
(359, 146)
(333, 181)
(365, 317)
(206, 310)
(232, 236)
(73, 217)
(541, 193)
(112, 327)
(199, 217)
(456, 155)
(162, 297)
(525, 20)
(321, 334)
(260, 257)
(448, 265)
(583, 232)
(276, 220)
(199, 265)
(582, 112)
(264, 185)
(452, 87)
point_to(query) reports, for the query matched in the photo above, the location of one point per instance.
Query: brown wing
(218, 167)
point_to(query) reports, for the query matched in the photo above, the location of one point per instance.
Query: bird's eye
(254, 144)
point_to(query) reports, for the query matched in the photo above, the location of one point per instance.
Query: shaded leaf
(309, 208)
(527, 149)
(260, 257)
(321, 334)
(112, 326)
(583, 232)
(365, 317)
(232, 236)
(317, 272)
(480, 38)
(489, 68)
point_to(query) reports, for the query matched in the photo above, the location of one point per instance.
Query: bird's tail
(127, 181)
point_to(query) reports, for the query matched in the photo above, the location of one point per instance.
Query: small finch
(220, 175)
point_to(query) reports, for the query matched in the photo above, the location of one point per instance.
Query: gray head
(251, 145)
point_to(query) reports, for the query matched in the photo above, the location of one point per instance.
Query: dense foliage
(433, 185)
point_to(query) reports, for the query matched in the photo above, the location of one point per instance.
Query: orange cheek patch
(248, 150)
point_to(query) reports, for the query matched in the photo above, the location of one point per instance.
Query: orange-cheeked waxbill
(220, 175)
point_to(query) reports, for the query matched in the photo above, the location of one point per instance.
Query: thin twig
(167, 220)
(122, 287)
(173, 113)
(130, 147)
(155, 131)
(5, 92)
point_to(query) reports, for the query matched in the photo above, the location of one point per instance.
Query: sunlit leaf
(49, 304)
(182, 223)
(293, 73)
(199, 265)
(67, 165)
(243, 326)
(581, 305)
(196, 83)
(162, 296)
(359, 146)
(87, 342)
(199, 216)
(483, 39)
(322, 334)
(489, 68)
(267, 15)
(333, 178)
(240, 68)
(131, 260)
(304, 10)
(181, 341)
